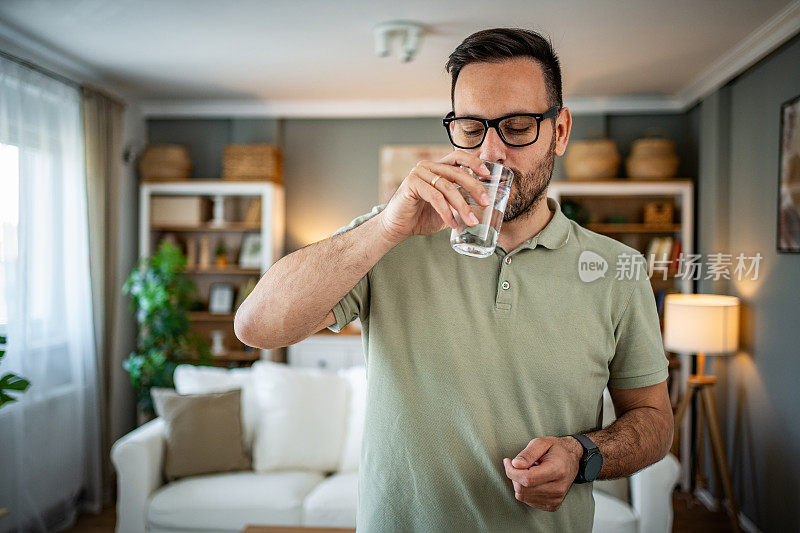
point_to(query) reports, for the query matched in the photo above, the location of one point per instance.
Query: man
(480, 370)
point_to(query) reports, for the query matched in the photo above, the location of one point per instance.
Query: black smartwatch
(591, 462)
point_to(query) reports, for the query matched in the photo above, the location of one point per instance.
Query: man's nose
(493, 148)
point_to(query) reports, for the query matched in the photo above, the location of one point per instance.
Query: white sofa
(283, 491)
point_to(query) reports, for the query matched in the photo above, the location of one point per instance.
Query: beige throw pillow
(203, 432)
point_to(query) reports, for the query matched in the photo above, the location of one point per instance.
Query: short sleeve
(356, 302)
(639, 359)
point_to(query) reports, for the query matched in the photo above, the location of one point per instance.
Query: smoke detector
(408, 33)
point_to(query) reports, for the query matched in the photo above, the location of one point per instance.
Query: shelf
(628, 181)
(632, 228)
(208, 227)
(238, 355)
(225, 271)
(229, 356)
(205, 316)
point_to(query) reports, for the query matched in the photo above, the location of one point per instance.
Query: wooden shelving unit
(623, 197)
(236, 196)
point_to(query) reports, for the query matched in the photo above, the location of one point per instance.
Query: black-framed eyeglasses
(521, 129)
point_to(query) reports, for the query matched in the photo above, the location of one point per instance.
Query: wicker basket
(658, 213)
(596, 159)
(252, 162)
(652, 159)
(165, 162)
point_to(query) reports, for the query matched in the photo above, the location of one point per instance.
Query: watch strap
(589, 449)
(586, 442)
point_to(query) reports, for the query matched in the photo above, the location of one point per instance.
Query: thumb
(532, 452)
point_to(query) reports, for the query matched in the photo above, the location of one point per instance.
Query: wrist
(574, 447)
(389, 237)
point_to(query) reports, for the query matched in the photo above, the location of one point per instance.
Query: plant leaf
(14, 382)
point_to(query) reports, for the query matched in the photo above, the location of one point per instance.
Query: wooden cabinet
(217, 212)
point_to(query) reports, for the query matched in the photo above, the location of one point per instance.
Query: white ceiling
(321, 51)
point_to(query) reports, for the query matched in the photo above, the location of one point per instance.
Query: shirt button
(508, 259)
(506, 285)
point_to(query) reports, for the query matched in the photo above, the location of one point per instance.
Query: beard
(528, 188)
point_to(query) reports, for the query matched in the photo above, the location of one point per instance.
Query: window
(9, 219)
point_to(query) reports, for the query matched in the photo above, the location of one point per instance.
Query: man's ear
(563, 128)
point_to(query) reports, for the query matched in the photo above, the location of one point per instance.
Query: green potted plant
(161, 296)
(221, 255)
(10, 381)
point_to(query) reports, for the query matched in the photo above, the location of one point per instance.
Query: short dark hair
(499, 44)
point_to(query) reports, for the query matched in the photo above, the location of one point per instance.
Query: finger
(451, 194)
(533, 503)
(435, 198)
(548, 497)
(531, 477)
(550, 492)
(457, 175)
(468, 160)
(516, 475)
(535, 449)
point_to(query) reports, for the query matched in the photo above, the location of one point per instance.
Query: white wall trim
(746, 53)
(380, 108)
(710, 503)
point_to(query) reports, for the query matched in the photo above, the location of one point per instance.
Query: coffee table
(292, 529)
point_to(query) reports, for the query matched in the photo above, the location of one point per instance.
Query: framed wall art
(789, 179)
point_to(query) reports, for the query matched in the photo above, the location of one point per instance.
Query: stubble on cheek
(527, 189)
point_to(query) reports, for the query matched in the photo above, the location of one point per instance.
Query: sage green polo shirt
(469, 359)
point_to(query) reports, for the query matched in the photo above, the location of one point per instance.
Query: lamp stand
(702, 384)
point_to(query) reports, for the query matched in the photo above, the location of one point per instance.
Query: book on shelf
(663, 254)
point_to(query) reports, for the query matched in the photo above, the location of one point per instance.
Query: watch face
(594, 463)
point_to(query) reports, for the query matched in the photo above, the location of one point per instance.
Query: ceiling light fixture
(409, 33)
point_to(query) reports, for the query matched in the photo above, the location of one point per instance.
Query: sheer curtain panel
(49, 441)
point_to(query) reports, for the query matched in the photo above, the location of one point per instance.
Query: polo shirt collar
(555, 234)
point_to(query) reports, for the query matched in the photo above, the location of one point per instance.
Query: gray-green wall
(758, 389)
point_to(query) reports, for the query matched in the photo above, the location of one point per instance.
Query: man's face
(491, 90)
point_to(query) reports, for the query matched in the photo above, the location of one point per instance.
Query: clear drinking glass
(480, 240)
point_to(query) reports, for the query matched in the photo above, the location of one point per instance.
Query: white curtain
(49, 458)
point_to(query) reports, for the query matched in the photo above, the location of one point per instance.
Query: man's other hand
(544, 471)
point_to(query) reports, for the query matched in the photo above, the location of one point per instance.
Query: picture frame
(788, 224)
(220, 298)
(397, 160)
(250, 253)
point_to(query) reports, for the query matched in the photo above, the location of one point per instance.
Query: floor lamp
(705, 324)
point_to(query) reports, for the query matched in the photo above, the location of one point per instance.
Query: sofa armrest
(651, 494)
(138, 458)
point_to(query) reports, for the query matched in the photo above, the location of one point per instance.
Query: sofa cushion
(333, 502)
(229, 502)
(203, 432)
(302, 416)
(356, 379)
(612, 515)
(194, 379)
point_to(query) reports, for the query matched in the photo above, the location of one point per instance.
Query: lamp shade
(701, 323)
